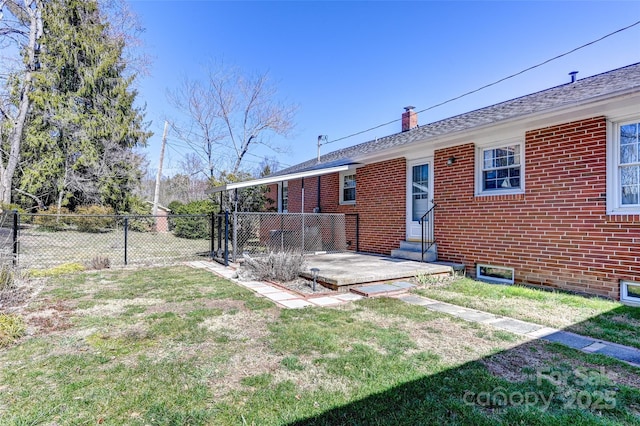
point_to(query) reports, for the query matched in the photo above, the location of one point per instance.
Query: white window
(630, 292)
(284, 197)
(500, 169)
(495, 274)
(348, 187)
(623, 177)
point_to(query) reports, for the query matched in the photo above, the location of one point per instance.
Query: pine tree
(83, 124)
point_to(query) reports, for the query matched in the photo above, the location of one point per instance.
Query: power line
(494, 83)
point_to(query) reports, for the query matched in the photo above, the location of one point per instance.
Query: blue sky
(354, 65)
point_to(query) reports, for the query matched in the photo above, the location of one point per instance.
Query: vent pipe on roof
(409, 118)
(573, 76)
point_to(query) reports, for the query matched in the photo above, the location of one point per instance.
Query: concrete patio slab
(344, 269)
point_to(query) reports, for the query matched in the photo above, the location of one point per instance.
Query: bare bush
(100, 262)
(7, 278)
(276, 266)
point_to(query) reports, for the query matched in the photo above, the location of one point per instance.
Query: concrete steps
(411, 250)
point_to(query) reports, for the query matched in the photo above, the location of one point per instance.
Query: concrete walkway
(279, 295)
(292, 300)
(531, 330)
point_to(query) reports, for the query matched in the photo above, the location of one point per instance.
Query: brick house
(542, 190)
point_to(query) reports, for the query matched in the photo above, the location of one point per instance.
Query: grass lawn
(44, 249)
(179, 346)
(595, 317)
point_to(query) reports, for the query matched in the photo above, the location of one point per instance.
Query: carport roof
(311, 171)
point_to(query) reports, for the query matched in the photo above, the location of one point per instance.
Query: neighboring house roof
(160, 207)
(608, 84)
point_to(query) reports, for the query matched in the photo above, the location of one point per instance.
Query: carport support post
(220, 224)
(302, 215)
(212, 234)
(226, 238)
(235, 226)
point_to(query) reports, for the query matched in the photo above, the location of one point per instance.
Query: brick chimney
(409, 118)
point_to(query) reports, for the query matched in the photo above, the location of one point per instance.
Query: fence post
(16, 223)
(212, 235)
(220, 230)
(226, 238)
(126, 231)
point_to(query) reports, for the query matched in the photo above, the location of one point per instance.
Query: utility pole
(156, 195)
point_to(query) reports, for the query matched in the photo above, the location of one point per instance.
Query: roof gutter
(280, 178)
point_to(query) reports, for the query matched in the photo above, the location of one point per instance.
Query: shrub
(277, 266)
(49, 220)
(12, 327)
(94, 218)
(100, 262)
(192, 227)
(65, 268)
(140, 211)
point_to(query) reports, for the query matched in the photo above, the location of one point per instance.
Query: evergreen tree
(83, 122)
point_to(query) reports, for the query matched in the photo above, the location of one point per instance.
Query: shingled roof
(610, 83)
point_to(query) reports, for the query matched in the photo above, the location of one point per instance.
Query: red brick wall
(380, 203)
(557, 233)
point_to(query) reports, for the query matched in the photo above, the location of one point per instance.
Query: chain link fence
(38, 241)
(46, 240)
(259, 233)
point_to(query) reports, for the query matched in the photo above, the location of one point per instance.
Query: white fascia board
(275, 179)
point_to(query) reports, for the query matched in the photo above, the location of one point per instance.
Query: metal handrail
(427, 232)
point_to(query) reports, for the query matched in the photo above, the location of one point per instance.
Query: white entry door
(419, 195)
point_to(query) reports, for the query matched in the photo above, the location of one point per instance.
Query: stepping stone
(631, 355)
(280, 295)
(324, 301)
(348, 297)
(415, 300)
(445, 308)
(294, 303)
(542, 332)
(475, 316)
(515, 326)
(403, 284)
(266, 290)
(377, 290)
(569, 339)
(252, 284)
(594, 347)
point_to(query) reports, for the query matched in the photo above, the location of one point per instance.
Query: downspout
(318, 209)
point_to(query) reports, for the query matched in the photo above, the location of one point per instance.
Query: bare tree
(203, 131)
(21, 29)
(230, 114)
